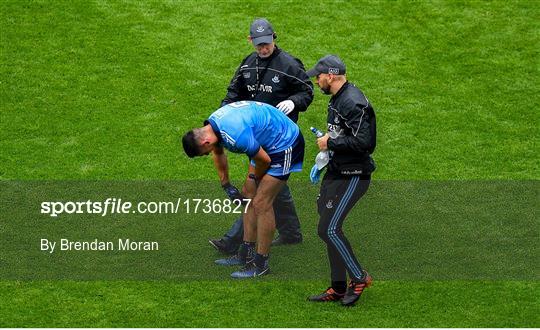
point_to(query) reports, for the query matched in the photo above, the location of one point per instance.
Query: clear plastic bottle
(323, 157)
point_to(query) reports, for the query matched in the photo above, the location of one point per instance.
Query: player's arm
(262, 163)
(247, 144)
(222, 165)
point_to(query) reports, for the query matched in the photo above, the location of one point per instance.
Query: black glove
(233, 193)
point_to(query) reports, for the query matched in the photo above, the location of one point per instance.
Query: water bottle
(323, 157)
(317, 133)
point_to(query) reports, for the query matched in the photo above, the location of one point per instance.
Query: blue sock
(261, 260)
(246, 252)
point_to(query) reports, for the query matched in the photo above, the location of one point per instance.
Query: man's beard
(325, 91)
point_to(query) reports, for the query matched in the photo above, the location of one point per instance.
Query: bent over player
(351, 140)
(273, 76)
(275, 147)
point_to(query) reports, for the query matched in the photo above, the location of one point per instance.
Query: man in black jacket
(350, 140)
(272, 76)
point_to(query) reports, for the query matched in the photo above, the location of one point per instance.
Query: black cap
(330, 64)
(261, 32)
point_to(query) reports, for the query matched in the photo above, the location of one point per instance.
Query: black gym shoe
(280, 240)
(329, 295)
(222, 246)
(354, 291)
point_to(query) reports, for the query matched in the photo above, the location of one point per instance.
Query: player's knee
(247, 193)
(261, 205)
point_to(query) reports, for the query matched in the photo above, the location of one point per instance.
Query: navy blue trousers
(337, 197)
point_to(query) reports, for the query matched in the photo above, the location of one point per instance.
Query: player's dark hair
(189, 142)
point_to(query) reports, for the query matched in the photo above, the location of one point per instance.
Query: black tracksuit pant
(338, 195)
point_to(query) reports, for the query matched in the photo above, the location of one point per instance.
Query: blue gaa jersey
(246, 126)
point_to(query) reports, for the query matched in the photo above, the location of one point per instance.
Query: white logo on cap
(260, 28)
(333, 70)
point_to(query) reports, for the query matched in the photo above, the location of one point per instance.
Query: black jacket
(352, 130)
(281, 77)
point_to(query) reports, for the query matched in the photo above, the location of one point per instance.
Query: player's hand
(233, 193)
(315, 174)
(286, 106)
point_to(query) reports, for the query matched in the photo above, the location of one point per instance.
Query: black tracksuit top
(352, 130)
(281, 77)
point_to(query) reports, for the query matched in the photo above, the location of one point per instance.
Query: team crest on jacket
(246, 74)
(275, 79)
(329, 204)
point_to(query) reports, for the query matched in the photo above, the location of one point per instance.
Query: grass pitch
(267, 303)
(102, 90)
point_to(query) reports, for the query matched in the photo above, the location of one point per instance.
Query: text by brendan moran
(126, 244)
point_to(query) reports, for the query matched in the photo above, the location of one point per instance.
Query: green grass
(443, 254)
(86, 86)
(267, 304)
(102, 90)
(401, 230)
